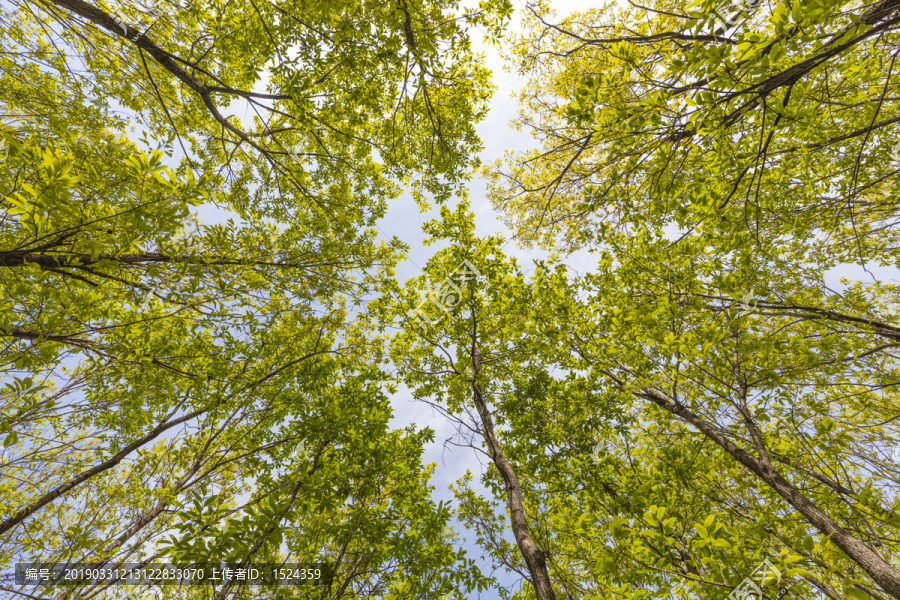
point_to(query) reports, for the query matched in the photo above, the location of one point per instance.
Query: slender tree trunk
(534, 556)
(52, 495)
(878, 569)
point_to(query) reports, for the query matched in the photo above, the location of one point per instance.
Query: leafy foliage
(160, 367)
(182, 387)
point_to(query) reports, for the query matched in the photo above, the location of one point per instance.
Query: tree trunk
(534, 556)
(878, 569)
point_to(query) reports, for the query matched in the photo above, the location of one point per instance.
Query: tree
(721, 173)
(154, 364)
(451, 364)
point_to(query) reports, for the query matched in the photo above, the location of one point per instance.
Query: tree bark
(878, 569)
(52, 495)
(534, 556)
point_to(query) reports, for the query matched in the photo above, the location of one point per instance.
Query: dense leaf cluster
(719, 392)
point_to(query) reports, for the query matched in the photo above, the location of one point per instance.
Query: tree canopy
(710, 410)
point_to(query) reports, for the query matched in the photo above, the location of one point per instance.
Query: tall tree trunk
(878, 569)
(60, 490)
(534, 556)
